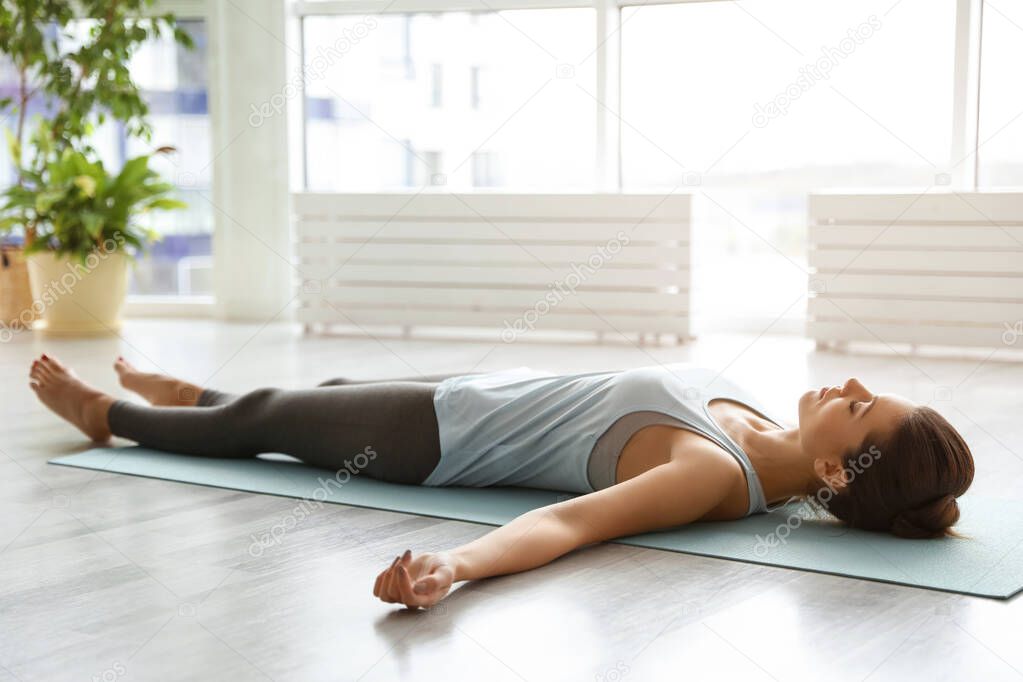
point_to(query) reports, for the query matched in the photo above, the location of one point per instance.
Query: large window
(751, 105)
(174, 84)
(1001, 96)
(459, 99)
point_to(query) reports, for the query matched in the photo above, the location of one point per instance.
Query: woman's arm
(672, 494)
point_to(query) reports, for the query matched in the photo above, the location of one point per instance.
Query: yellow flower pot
(15, 293)
(71, 297)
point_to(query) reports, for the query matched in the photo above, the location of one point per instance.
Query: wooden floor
(111, 577)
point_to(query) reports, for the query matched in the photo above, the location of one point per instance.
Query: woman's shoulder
(711, 468)
(717, 467)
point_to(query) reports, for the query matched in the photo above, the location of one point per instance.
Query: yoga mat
(989, 563)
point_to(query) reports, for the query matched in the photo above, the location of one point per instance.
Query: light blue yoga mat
(988, 564)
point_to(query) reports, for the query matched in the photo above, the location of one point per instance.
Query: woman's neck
(777, 456)
(783, 468)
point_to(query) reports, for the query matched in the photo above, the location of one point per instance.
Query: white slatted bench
(938, 269)
(511, 263)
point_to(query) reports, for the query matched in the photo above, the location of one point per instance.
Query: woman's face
(834, 420)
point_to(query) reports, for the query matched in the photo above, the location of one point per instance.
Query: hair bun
(929, 520)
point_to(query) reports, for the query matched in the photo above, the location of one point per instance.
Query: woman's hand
(422, 581)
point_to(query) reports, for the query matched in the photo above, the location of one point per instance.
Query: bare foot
(71, 398)
(158, 389)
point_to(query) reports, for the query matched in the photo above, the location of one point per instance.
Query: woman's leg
(393, 424)
(158, 389)
(163, 390)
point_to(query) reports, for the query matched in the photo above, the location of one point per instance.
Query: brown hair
(910, 484)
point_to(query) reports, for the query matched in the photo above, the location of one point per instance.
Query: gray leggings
(321, 426)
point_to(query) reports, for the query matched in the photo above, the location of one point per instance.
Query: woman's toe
(124, 367)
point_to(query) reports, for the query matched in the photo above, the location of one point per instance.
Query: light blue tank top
(534, 429)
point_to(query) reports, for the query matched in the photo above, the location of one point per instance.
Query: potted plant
(72, 61)
(86, 223)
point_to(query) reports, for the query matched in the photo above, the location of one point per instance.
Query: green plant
(75, 56)
(72, 59)
(75, 206)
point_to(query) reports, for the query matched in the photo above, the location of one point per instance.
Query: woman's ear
(834, 476)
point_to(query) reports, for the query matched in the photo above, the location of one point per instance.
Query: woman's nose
(854, 387)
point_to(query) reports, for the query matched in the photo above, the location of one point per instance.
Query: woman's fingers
(426, 585)
(378, 586)
(410, 599)
(432, 588)
(440, 578)
(381, 583)
(432, 584)
(386, 579)
(392, 582)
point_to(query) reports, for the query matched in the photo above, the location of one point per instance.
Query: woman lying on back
(646, 449)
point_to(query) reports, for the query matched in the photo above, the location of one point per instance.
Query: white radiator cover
(932, 269)
(605, 263)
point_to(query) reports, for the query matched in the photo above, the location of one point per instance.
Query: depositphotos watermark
(314, 70)
(614, 673)
(813, 73)
(117, 670)
(61, 286)
(820, 500)
(301, 511)
(1012, 333)
(562, 288)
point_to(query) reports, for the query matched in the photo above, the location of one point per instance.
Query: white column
(966, 94)
(609, 37)
(248, 91)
